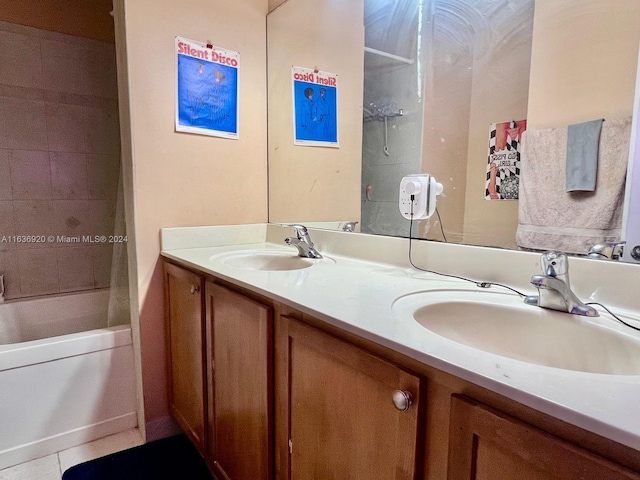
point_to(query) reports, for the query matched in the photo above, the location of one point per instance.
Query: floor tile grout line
(59, 464)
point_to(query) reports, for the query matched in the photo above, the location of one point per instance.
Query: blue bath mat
(167, 459)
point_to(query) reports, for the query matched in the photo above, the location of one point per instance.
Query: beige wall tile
(38, 271)
(103, 174)
(103, 131)
(58, 102)
(7, 225)
(61, 66)
(64, 97)
(98, 75)
(68, 175)
(66, 128)
(32, 217)
(30, 175)
(99, 102)
(71, 218)
(20, 60)
(3, 125)
(102, 255)
(63, 37)
(26, 93)
(75, 268)
(5, 176)
(10, 268)
(25, 123)
(9, 27)
(103, 214)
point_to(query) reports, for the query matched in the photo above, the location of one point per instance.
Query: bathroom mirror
(420, 82)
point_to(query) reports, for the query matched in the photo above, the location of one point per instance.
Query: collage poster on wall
(503, 163)
(206, 89)
(315, 107)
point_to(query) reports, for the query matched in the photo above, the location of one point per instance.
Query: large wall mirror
(420, 83)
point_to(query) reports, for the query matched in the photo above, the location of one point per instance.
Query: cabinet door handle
(194, 289)
(402, 400)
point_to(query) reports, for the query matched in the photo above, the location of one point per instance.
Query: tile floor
(52, 466)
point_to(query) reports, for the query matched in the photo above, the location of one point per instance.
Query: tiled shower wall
(59, 160)
(393, 85)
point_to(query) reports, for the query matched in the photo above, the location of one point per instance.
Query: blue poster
(315, 107)
(206, 89)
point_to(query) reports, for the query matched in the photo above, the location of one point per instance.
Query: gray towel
(582, 156)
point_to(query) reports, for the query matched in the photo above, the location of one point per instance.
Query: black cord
(613, 315)
(478, 284)
(441, 227)
(487, 284)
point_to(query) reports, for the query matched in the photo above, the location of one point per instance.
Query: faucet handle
(301, 230)
(554, 263)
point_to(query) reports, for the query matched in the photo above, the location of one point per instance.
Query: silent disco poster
(315, 107)
(206, 89)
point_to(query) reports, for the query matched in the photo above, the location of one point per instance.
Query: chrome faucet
(554, 288)
(606, 251)
(302, 242)
(349, 227)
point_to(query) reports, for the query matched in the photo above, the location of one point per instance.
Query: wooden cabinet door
(240, 364)
(341, 421)
(486, 444)
(185, 343)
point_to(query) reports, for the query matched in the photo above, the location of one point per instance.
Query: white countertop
(357, 296)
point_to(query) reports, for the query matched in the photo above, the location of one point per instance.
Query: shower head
(385, 107)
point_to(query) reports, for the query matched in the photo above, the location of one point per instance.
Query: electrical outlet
(424, 188)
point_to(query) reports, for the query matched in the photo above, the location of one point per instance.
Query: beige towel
(549, 217)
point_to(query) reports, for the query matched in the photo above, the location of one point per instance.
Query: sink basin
(267, 260)
(503, 325)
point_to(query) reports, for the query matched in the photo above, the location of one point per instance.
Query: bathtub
(65, 377)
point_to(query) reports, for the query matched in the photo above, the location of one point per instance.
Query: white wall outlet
(424, 189)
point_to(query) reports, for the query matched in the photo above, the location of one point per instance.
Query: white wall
(583, 61)
(315, 183)
(179, 179)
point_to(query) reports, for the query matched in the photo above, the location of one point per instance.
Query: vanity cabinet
(336, 412)
(265, 391)
(220, 372)
(486, 443)
(185, 351)
(240, 384)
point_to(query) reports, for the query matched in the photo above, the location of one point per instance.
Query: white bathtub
(65, 378)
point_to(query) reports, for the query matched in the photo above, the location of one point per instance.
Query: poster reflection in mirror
(315, 107)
